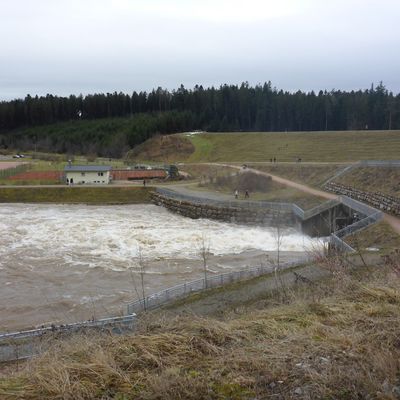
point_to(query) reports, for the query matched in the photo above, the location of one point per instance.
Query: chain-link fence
(173, 293)
(246, 204)
(319, 209)
(379, 163)
(357, 206)
(25, 344)
(340, 244)
(359, 225)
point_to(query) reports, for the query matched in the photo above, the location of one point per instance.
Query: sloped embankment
(335, 339)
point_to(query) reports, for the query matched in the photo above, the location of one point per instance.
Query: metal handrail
(380, 163)
(357, 205)
(356, 226)
(99, 323)
(225, 203)
(320, 208)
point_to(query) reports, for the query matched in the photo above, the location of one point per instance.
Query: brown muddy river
(68, 263)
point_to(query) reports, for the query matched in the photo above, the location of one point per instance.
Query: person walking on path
(144, 182)
(236, 194)
(246, 194)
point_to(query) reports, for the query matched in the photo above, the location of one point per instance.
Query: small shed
(87, 174)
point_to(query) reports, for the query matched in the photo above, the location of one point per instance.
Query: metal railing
(359, 225)
(298, 211)
(379, 163)
(173, 293)
(357, 205)
(342, 171)
(340, 245)
(26, 344)
(320, 208)
(246, 204)
(126, 321)
(364, 163)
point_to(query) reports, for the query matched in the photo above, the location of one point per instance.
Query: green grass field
(86, 195)
(344, 146)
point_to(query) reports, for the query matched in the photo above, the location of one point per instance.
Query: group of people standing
(246, 194)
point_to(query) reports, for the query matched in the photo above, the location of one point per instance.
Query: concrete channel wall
(324, 220)
(236, 213)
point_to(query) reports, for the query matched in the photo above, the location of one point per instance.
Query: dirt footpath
(394, 222)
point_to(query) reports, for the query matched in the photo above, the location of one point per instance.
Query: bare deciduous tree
(204, 251)
(142, 271)
(279, 235)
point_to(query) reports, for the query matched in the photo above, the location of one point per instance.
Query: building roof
(87, 168)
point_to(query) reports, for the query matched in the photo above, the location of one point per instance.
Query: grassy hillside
(76, 194)
(380, 236)
(372, 179)
(163, 149)
(336, 339)
(310, 174)
(345, 146)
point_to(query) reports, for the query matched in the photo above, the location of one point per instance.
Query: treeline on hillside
(111, 137)
(227, 108)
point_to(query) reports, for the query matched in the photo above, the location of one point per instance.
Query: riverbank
(330, 338)
(76, 195)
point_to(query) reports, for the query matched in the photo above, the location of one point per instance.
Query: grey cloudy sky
(86, 46)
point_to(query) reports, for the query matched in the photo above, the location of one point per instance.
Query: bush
(244, 181)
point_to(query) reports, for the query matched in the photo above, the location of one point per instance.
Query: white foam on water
(114, 236)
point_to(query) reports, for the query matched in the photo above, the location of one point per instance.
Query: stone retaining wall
(251, 216)
(378, 200)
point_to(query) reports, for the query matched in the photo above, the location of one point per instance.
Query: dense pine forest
(109, 124)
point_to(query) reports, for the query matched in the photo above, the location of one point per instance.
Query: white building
(87, 174)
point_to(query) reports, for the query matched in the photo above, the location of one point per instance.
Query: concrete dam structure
(336, 218)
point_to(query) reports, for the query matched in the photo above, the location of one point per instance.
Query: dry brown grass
(342, 343)
(373, 179)
(203, 172)
(243, 181)
(227, 180)
(380, 236)
(169, 148)
(310, 174)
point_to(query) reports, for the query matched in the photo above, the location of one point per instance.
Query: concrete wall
(251, 216)
(88, 177)
(328, 221)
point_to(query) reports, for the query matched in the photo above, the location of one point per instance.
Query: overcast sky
(87, 46)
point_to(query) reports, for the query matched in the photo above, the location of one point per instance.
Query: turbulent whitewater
(61, 262)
